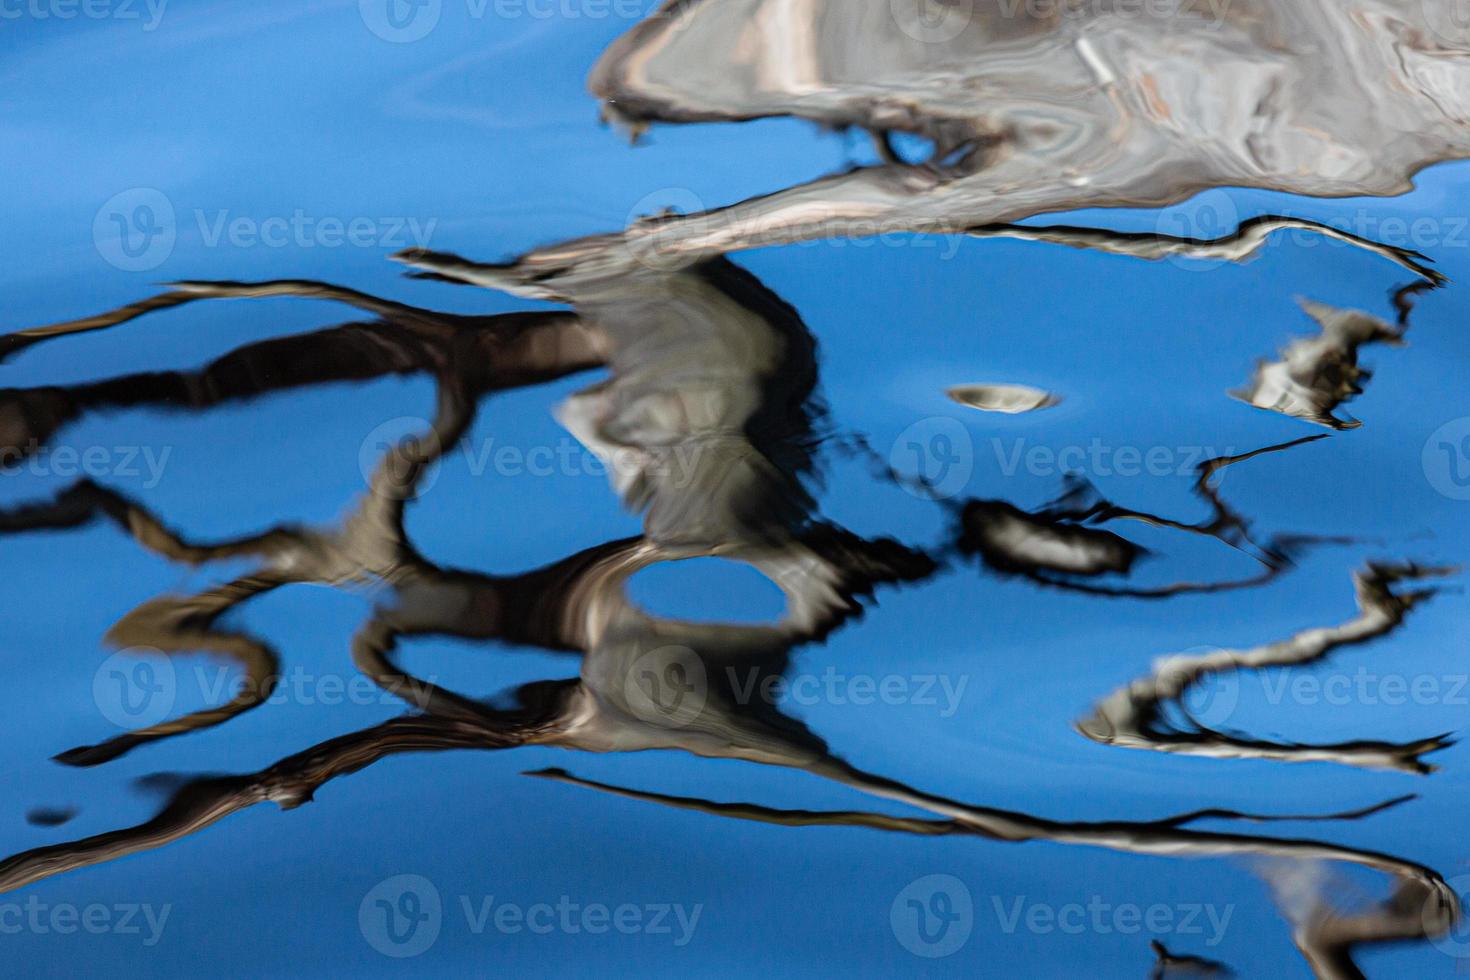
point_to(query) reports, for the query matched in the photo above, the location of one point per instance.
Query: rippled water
(1008, 528)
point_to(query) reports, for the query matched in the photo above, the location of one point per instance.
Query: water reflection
(1052, 107)
(1243, 243)
(1062, 543)
(710, 371)
(1134, 717)
(1171, 965)
(710, 419)
(1005, 399)
(1317, 374)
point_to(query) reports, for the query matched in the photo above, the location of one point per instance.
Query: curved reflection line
(1071, 522)
(746, 408)
(1422, 903)
(1240, 245)
(1133, 716)
(704, 359)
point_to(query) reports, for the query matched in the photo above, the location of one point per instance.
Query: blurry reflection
(1421, 904)
(710, 419)
(1317, 374)
(1312, 898)
(1062, 543)
(705, 365)
(1176, 966)
(1134, 716)
(1032, 110)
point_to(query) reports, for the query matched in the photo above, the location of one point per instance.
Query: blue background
(484, 127)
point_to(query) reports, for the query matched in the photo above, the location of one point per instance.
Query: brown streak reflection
(1133, 716)
(711, 406)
